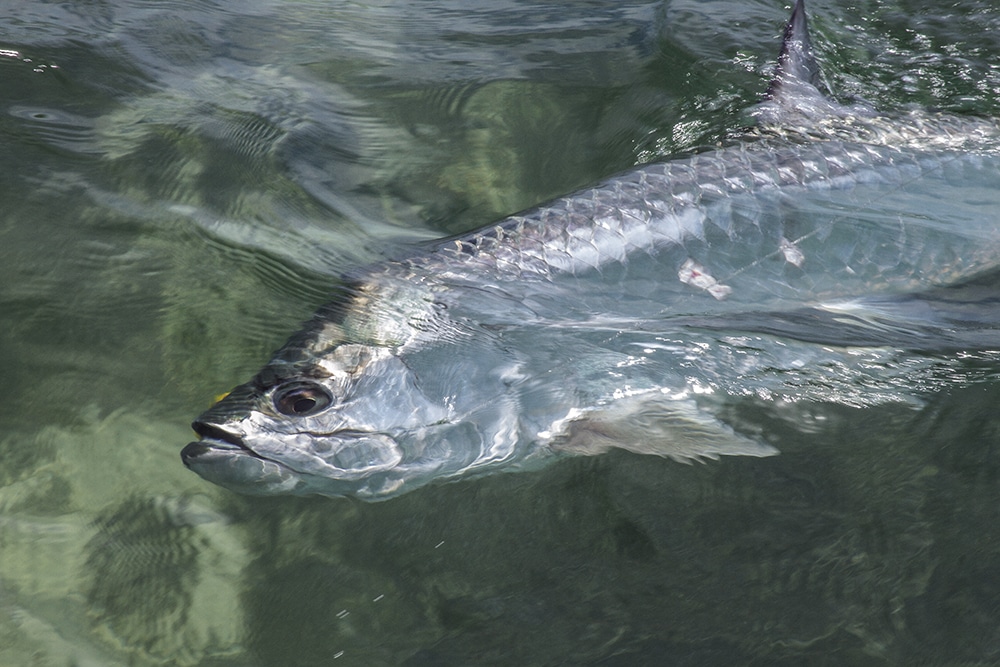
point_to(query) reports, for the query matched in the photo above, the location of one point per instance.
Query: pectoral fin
(677, 429)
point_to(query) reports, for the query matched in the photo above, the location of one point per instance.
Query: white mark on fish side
(694, 274)
(793, 255)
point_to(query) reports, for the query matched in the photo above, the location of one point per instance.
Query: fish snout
(215, 440)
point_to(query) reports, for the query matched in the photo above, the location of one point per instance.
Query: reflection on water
(182, 184)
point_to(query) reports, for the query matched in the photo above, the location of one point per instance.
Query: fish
(810, 260)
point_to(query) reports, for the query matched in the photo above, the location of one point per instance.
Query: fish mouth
(213, 439)
(218, 443)
(222, 457)
(209, 431)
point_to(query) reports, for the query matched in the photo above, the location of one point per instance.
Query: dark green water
(183, 181)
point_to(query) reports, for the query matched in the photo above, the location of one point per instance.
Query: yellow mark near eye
(220, 397)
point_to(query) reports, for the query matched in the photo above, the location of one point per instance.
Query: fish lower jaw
(239, 469)
(206, 449)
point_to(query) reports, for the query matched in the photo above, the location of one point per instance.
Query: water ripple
(57, 127)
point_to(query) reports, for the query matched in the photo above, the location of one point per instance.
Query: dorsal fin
(794, 99)
(797, 69)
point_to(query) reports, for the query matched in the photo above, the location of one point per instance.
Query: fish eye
(301, 399)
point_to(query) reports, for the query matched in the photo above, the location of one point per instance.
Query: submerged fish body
(593, 321)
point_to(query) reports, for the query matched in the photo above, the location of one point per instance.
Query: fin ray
(676, 429)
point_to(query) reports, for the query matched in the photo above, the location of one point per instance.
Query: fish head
(363, 420)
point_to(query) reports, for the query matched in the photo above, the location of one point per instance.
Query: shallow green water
(183, 182)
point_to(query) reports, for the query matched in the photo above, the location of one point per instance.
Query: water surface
(184, 181)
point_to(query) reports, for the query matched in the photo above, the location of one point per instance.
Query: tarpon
(798, 264)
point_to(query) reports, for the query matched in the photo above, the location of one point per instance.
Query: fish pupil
(304, 404)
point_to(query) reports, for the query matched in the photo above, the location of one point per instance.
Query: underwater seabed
(861, 544)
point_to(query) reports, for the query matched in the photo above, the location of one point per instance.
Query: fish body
(593, 321)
